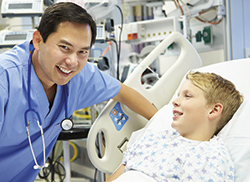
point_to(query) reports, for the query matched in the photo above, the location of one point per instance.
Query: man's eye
(64, 47)
(84, 52)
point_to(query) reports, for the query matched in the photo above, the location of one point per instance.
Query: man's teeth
(64, 71)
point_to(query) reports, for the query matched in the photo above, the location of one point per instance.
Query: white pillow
(160, 121)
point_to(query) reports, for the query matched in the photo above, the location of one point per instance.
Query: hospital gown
(167, 156)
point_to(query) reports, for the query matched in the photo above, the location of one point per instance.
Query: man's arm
(135, 101)
(116, 174)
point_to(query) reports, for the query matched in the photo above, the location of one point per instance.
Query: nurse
(43, 81)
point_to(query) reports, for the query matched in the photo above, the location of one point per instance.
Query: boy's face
(64, 54)
(190, 111)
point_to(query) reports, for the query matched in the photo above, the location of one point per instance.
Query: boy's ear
(37, 40)
(216, 111)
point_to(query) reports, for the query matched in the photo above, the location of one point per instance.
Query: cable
(201, 20)
(107, 48)
(209, 21)
(48, 2)
(75, 148)
(118, 57)
(186, 6)
(182, 12)
(205, 11)
(75, 151)
(55, 167)
(119, 48)
(95, 175)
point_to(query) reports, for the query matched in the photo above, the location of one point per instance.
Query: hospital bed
(117, 130)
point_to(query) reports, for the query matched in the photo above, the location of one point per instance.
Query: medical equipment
(100, 9)
(12, 8)
(104, 30)
(100, 32)
(9, 38)
(148, 30)
(66, 124)
(38, 120)
(119, 116)
(193, 7)
(101, 62)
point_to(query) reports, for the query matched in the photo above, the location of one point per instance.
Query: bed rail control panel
(118, 117)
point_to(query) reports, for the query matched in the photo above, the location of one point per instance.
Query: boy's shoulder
(215, 148)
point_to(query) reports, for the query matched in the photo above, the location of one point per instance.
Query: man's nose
(72, 60)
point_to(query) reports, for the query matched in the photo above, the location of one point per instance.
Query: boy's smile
(190, 111)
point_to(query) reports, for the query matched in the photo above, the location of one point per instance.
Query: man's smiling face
(64, 54)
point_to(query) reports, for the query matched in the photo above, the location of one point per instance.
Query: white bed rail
(118, 130)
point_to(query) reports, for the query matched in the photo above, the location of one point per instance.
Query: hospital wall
(240, 27)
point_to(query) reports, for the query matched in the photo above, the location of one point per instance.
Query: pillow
(160, 121)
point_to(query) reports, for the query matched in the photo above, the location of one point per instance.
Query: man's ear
(215, 111)
(37, 40)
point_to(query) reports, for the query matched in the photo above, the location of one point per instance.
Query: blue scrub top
(89, 87)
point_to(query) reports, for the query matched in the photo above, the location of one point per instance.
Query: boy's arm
(116, 174)
(135, 101)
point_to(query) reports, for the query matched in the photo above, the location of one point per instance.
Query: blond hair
(218, 90)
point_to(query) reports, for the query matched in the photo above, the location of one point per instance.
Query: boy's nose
(175, 102)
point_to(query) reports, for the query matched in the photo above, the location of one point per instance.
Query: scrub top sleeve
(92, 86)
(3, 98)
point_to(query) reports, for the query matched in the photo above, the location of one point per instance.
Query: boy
(190, 149)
